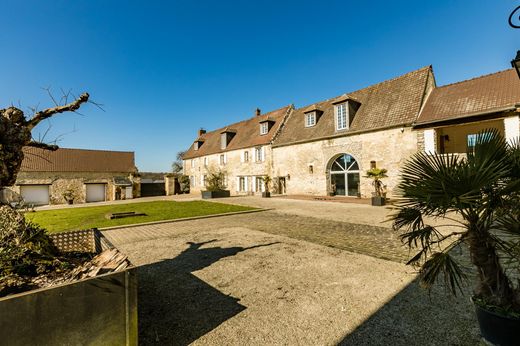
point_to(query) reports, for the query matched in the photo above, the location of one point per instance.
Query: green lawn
(89, 217)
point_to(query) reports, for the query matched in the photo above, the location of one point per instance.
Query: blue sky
(163, 69)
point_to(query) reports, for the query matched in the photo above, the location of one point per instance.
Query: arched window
(344, 176)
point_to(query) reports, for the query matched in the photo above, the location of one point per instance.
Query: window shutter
(225, 158)
(238, 184)
(246, 181)
(263, 154)
(242, 156)
(253, 185)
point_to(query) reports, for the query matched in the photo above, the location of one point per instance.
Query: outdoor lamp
(516, 63)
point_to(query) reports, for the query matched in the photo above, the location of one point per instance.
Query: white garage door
(95, 192)
(35, 194)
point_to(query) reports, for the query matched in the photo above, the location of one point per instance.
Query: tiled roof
(247, 134)
(485, 94)
(77, 160)
(394, 102)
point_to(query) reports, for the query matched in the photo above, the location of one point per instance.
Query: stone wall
(389, 148)
(60, 182)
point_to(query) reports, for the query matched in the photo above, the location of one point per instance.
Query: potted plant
(215, 187)
(482, 190)
(376, 174)
(267, 183)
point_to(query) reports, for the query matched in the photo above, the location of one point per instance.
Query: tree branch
(40, 145)
(47, 113)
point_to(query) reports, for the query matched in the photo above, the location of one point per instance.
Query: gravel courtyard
(278, 277)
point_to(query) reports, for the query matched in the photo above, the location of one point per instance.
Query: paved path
(365, 239)
(281, 277)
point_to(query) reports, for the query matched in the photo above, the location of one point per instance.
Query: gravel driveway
(250, 280)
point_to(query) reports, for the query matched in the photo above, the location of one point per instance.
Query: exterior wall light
(516, 63)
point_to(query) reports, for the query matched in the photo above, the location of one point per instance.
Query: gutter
(470, 115)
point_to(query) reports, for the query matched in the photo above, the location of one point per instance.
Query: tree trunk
(15, 133)
(493, 285)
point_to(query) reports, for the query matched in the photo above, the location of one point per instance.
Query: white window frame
(223, 140)
(264, 128)
(259, 157)
(246, 156)
(222, 159)
(310, 119)
(242, 184)
(341, 115)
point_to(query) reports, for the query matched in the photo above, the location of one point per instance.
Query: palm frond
(442, 263)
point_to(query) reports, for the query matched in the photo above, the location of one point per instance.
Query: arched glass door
(344, 176)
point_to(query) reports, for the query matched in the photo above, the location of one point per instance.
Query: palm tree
(480, 196)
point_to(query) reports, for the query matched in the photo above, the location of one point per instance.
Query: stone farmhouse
(54, 177)
(242, 150)
(325, 148)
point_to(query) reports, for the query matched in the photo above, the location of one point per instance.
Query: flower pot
(215, 194)
(498, 329)
(70, 201)
(378, 201)
(266, 194)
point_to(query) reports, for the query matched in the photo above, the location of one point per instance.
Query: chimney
(201, 132)
(258, 112)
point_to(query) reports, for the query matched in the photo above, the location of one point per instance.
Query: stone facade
(388, 148)
(234, 166)
(61, 182)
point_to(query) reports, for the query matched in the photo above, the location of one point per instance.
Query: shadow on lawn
(412, 317)
(176, 307)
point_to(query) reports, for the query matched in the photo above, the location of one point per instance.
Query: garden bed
(97, 300)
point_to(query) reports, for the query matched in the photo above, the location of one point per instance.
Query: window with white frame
(264, 128)
(310, 119)
(241, 184)
(222, 159)
(341, 116)
(260, 184)
(246, 156)
(204, 180)
(258, 154)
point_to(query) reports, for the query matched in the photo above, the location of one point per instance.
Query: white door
(95, 192)
(35, 194)
(128, 192)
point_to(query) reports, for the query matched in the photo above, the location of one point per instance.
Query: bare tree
(177, 164)
(15, 133)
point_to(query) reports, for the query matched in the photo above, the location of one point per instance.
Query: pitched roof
(77, 160)
(247, 134)
(486, 94)
(394, 102)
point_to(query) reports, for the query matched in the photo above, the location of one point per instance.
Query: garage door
(95, 192)
(35, 194)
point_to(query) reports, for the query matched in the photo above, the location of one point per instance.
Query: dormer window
(264, 128)
(265, 125)
(310, 119)
(225, 137)
(345, 108)
(341, 116)
(197, 144)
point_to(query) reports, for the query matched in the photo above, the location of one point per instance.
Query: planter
(266, 194)
(98, 310)
(215, 194)
(378, 201)
(70, 201)
(498, 329)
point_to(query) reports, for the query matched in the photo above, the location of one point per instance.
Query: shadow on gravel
(175, 307)
(412, 317)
